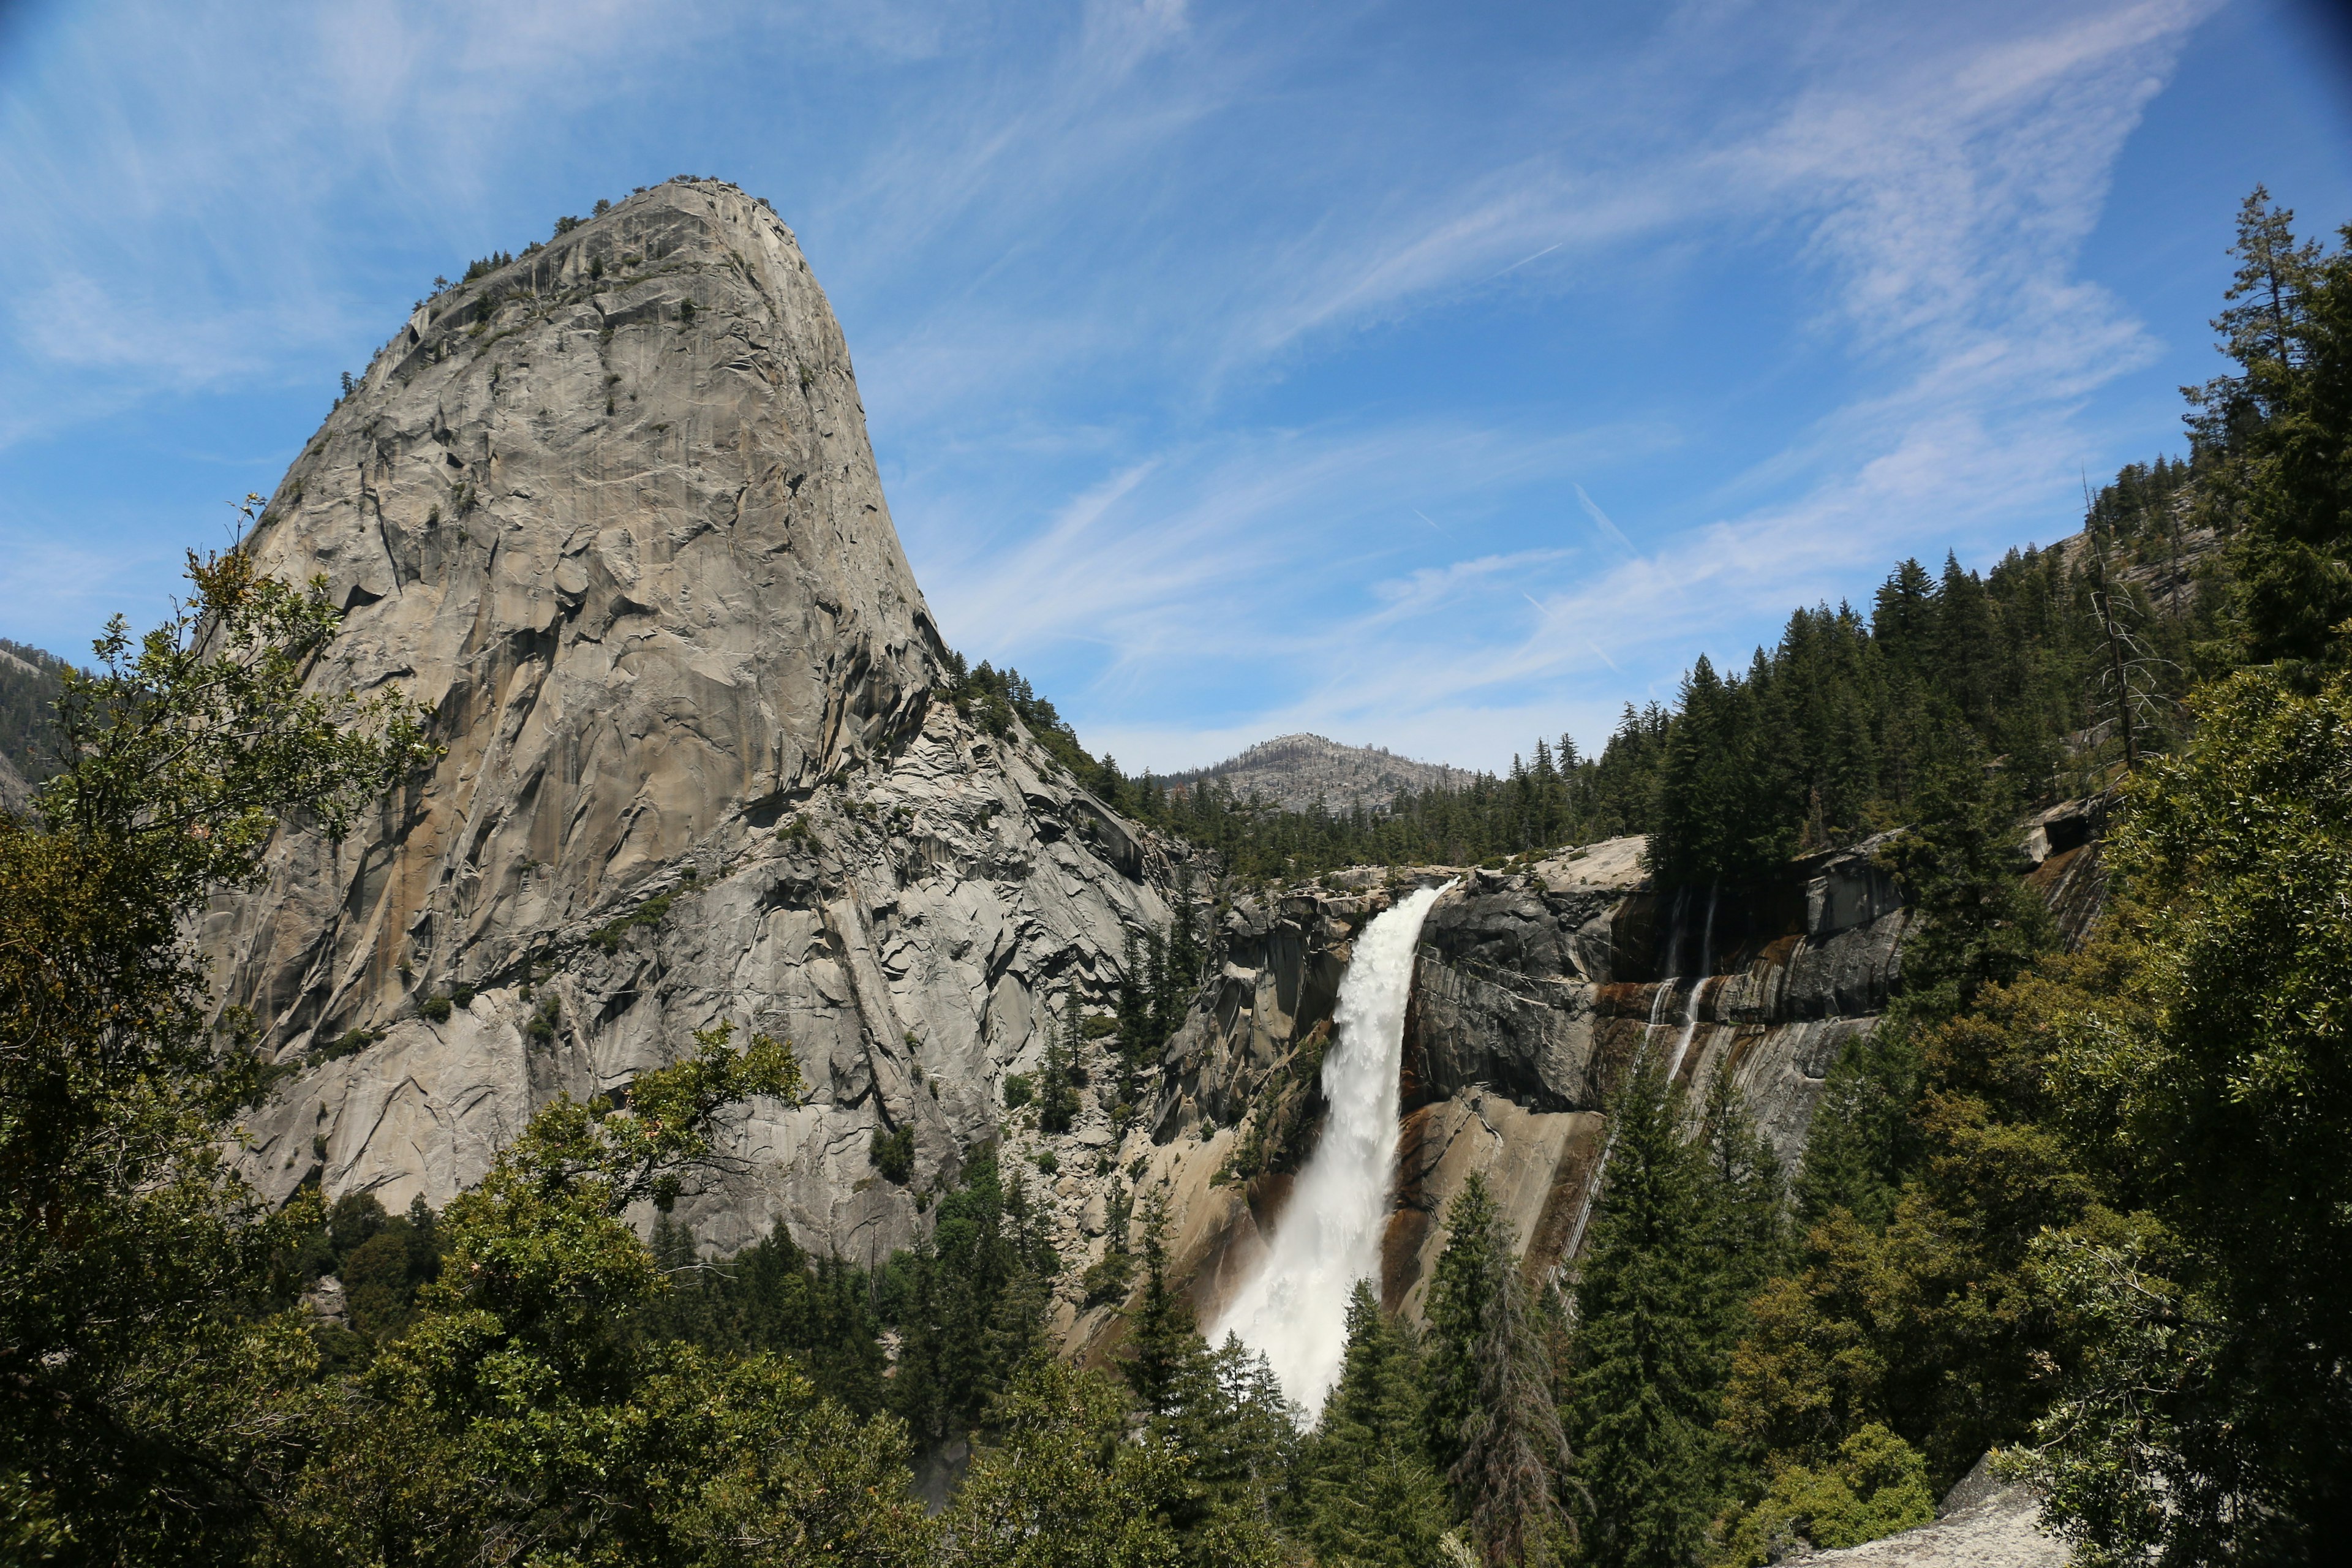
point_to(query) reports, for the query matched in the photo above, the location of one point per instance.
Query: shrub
(1107, 1280)
(601, 209)
(1877, 1486)
(1048, 1161)
(461, 996)
(893, 1155)
(1017, 1090)
(685, 312)
(436, 1008)
(351, 1043)
(649, 913)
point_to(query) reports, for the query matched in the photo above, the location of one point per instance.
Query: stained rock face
(1533, 991)
(611, 511)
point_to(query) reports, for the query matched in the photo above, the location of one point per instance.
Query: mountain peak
(1295, 772)
(610, 509)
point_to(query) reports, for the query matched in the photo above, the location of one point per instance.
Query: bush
(649, 913)
(1107, 1280)
(893, 1155)
(1877, 1486)
(1048, 1161)
(351, 1043)
(1017, 1090)
(436, 1009)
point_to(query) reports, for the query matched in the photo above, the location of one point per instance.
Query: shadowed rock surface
(1534, 989)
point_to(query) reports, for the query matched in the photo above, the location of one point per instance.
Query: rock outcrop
(1534, 989)
(611, 511)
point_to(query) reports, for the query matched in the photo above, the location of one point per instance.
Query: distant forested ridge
(30, 682)
(2043, 670)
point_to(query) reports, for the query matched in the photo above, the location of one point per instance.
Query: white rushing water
(1295, 1308)
(1658, 1001)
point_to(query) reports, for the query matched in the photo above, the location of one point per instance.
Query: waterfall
(1698, 989)
(1295, 1308)
(1673, 1064)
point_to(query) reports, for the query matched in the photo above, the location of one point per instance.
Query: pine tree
(1136, 1047)
(1371, 1494)
(1862, 1141)
(1645, 1368)
(1513, 1451)
(1185, 954)
(2281, 431)
(1057, 1101)
(1456, 1313)
(1746, 1229)
(1166, 1361)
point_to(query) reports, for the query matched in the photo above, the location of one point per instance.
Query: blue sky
(1425, 376)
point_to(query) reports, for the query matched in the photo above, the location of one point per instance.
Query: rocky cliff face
(1533, 991)
(612, 512)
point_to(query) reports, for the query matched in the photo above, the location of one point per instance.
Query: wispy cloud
(1178, 323)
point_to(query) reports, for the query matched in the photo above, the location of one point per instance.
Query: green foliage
(382, 1260)
(350, 1043)
(1063, 1483)
(1222, 1415)
(1645, 1360)
(773, 1298)
(147, 1370)
(969, 1303)
(646, 916)
(1107, 1278)
(1877, 1486)
(1372, 1496)
(1864, 1141)
(522, 1415)
(1018, 1090)
(1164, 1348)
(1979, 924)
(893, 1155)
(30, 682)
(2212, 1089)
(2279, 438)
(485, 265)
(1513, 1450)
(1057, 1097)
